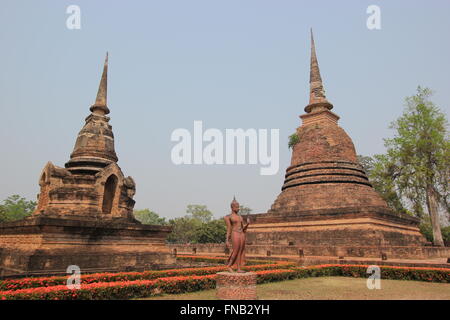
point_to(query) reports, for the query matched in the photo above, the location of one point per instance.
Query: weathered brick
(327, 199)
(84, 215)
(236, 286)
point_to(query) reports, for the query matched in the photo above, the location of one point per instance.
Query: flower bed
(126, 289)
(114, 290)
(356, 271)
(133, 289)
(25, 283)
(399, 273)
(213, 259)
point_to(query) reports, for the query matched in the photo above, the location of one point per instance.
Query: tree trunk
(433, 211)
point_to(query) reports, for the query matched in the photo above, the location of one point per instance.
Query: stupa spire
(100, 105)
(94, 148)
(234, 201)
(317, 96)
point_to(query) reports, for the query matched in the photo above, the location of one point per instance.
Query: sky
(230, 64)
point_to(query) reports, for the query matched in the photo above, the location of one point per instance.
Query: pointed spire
(234, 201)
(314, 75)
(316, 93)
(103, 87)
(101, 100)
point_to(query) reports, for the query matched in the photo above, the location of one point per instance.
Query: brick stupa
(84, 215)
(327, 205)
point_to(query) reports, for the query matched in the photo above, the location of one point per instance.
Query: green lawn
(335, 288)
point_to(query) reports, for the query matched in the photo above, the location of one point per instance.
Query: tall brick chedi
(324, 171)
(327, 202)
(84, 215)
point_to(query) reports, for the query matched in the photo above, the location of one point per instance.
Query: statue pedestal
(236, 286)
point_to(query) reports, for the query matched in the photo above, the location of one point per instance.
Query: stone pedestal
(236, 286)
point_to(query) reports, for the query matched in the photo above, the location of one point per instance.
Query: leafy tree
(16, 207)
(427, 230)
(198, 226)
(184, 230)
(213, 231)
(418, 158)
(446, 235)
(199, 212)
(243, 210)
(381, 174)
(2, 214)
(146, 216)
(366, 162)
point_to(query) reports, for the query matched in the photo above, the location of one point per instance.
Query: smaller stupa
(84, 215)
(92, 185)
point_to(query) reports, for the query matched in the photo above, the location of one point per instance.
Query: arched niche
(109, 194)
(43, 179)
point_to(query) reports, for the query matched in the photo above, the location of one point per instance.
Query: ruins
(84, 215)
(327, 206)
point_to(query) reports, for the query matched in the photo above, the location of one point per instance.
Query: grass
(334, 288)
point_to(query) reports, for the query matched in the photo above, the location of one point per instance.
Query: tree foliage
(199, 212)
(243, 210)
(380, 173)
(420, 156)
(427, 230)
(198, 226)
(212, 232)
(367, 163)
(293, 140)
(416, 168)
(145, 216)
(184, 230)
(15, 208)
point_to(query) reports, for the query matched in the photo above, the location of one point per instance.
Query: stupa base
(47, 246)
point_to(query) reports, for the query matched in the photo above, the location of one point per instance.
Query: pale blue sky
(231, 64)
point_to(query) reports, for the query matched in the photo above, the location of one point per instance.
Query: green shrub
(293, 140)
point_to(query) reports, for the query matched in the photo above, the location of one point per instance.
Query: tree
(380, 174)
(199, 212)
(243, 210)
(145, 216)
(418, 157)
(366, 162)
(184, 230)
(427, 230)
(197, 226)
(15, 208)
(213, 231)
(2, 214)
